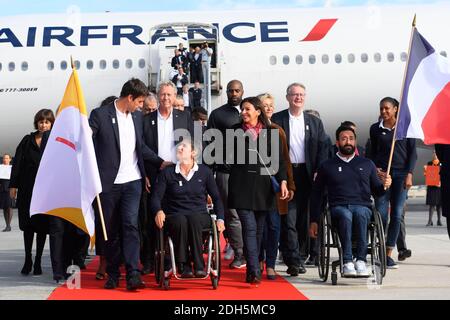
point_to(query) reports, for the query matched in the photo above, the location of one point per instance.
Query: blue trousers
(396, 197)
(252, 232)
(271, 237)
(349, 220)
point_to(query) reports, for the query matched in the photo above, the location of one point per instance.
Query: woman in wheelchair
(179, 201)
(349, 180)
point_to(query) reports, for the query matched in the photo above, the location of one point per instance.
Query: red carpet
(231, 287)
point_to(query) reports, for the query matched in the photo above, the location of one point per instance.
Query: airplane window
(443, 53)
(116, 64)
(89, 64)
(377, 57)
(273, 60)
(338, 58)
(299, 59)
(77, 64)
(390, 57)
(325, 59)
(50, 65)
(351, 58)
(403, 56)
(103, 64)
(24, 66)
(129, 63)
(142, 63)
(63, 65)
(12, 66)
(312, 59)
(364, 57)
(286, 60)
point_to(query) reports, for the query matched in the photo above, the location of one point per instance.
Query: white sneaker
(361, 269)
(349, 269)
(229, 253)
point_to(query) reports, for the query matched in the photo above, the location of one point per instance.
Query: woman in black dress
(23, 174)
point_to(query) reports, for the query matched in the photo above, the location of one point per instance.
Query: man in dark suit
(196, 66)
(196, 95)
(180, 79)
(308, 148)
(160, 135)
(178, 60)
(120, 151)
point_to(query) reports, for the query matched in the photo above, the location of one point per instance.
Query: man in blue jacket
(350, 180)
(120, 150)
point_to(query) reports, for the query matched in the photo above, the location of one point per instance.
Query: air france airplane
(348, 58)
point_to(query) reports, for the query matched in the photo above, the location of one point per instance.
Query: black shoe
(301, 269)
(312, 262)
(148, 269)
(26, 269)
(135, 282)
(111, 283)
(238, 262)
(292, 271)
(200, 273)
(439, 223)
(252, 278)
(80, 263)
(187, 272)
(37, 269)
(402, 255)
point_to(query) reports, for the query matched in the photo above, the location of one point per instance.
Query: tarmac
(424, 276)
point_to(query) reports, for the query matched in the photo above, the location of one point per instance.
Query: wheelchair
(165, 249)
(328, 238)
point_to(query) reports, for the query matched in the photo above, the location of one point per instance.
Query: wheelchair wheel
(215, 259)
(380, 242)
(324, 239)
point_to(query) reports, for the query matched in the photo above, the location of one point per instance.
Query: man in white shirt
(120, 152)
(308, 148)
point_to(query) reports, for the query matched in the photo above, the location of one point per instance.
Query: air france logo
(49, 36)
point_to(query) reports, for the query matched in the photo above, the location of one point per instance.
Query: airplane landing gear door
(166, 38)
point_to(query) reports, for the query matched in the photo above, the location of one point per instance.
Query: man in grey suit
(308, 148)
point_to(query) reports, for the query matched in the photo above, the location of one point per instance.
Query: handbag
(275, 184)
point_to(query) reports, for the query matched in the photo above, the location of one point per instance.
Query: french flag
(425, 107)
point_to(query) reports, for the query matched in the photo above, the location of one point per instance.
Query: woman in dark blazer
(250, 189)
(23, 173)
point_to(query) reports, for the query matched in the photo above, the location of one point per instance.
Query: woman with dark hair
(251, 190)
(403, 162)
(23, 174)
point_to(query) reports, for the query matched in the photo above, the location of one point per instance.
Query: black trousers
(186, 232)
(62, 244)
(294, 238)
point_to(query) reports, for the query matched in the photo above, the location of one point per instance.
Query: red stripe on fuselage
(320, 30)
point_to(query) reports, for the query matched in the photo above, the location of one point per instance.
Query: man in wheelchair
(179, 201)
(349, 181)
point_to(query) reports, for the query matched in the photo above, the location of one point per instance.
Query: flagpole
(100, 210)
(401, 95)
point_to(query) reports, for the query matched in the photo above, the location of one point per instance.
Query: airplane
(348, 58)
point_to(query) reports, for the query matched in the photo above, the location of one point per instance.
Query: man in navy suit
(308, 148)
(120, 152)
